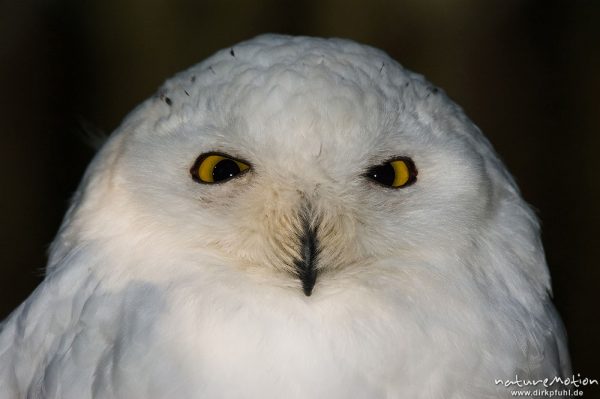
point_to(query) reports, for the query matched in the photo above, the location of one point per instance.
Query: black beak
(306, 265)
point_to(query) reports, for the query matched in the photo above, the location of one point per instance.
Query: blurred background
(527, 72)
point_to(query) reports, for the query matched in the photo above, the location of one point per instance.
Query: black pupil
(225, 169)
(383, 174)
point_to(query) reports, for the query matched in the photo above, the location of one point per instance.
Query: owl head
(298, 163)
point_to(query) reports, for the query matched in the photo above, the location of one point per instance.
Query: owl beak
(306, 264)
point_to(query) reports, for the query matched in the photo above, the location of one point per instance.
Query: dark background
(527, 72)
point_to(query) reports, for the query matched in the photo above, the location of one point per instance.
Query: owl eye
(397, 173)
(216, 168)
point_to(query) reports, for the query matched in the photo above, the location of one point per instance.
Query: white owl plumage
(159, 286)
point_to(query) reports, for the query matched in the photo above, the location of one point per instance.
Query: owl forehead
(303, 109)
(288, 94)
(294, 62)
(255, 78)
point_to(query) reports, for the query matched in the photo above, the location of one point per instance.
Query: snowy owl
(291, 218)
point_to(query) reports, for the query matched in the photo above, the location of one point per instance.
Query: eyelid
(231, 156)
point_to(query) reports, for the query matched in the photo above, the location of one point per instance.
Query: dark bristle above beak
(306, 266)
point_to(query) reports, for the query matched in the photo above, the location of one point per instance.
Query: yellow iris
(402, 173)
